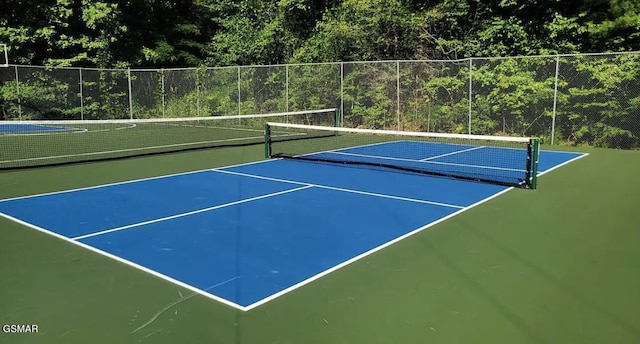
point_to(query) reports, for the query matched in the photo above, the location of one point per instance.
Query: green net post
(267, 141)
(337, 121)
(534, 162)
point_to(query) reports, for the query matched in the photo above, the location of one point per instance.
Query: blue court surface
(246, 234)
(11, 128)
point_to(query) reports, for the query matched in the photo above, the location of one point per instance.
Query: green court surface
(559, 264)
(46, 143)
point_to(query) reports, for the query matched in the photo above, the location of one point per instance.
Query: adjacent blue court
(29, 128)
(246, 234)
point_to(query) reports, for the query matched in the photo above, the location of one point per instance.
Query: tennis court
(246, 234)
(222, 246)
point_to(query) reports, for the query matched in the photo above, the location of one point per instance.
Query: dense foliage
(592, 100)
(239, 32)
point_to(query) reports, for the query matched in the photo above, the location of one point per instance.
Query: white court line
(357, 147)
(189, 213)
(564, 163)
(92, 131)
(170, 124)
(130, 149)
(373, 250)
(130, 181)
(452, 153)
(428, 162)
(369, 156)
(271, 297)
(127, 262)
(283, 134)
(50, 132)
(320, 186)
(129, 127)
(208, 127)
(389, 243)
(69, 130)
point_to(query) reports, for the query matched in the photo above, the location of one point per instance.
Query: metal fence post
(555, 100)
(130, 94)
(287, 87)
(341, 93)
(470, 90)
(239, 107)
(18, 93)
(197, 82)
(398, 92)
(164, 106)
(81, 95)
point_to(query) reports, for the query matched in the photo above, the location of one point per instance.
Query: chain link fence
(589, 99)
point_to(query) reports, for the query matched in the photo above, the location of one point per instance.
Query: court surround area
(244, 235)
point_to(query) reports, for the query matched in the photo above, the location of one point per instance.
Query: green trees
(187, 33)
(62, 32)
(601, 101)
(106, 34)
(262, 32)
(362, 30)
(597, 100)
(614, 25)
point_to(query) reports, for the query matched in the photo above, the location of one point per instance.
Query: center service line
(189, 213)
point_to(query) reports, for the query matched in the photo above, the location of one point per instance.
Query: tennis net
(40, 143)
(510, 161)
